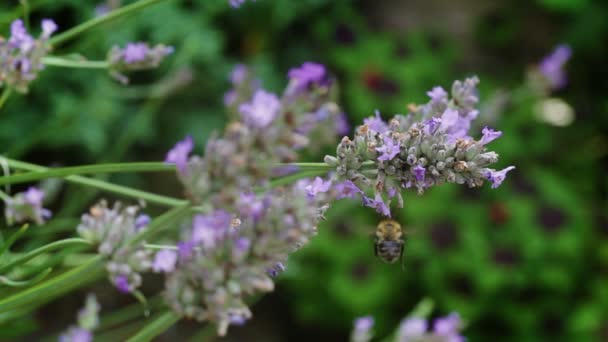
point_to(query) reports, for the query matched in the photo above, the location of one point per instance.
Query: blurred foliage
(526, 262)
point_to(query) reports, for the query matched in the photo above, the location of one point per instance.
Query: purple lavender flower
(209, 229)
(122, 284)
(437, 94)
(419, 172)
(347, 189)
(317, 186)
(251, 206)
(236, 3)
(142, 221)
(136, 56)
(262, 110)
(75, 334)
(376, 123)
(342, 125)
(165, 261)
(27, 206)
(48, 28)
(185, 250)
(389, 150)
(135, 52)
(240, 248)
(364, 323)
(411, 329)
(276, 269)
(239, 74)
(489, 135)
(307, 74)
(178, 155)
(378, 204)
(362, 329)
(447, 326)
(552, 66)
(497, 177)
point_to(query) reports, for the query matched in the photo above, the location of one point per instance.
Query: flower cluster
(26, 206)
(88, 320)
(427, 147)
(445, 329)
(362, 331)
(135, 56)
(21, 55)
(112, 228)
(269, 131)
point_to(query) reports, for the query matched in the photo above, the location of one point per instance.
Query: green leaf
(156, 327)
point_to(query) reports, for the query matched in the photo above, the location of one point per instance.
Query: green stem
(117, 189)
(72, 63)
(61, 244)
(23, 283)
(152, 246)
(292, 178)
(9, 242)
(85, 169)
(126, 314)
(5, 94)
(159, 223)
(48, 290)
(87, 25)
(309, 166)
(157, 327)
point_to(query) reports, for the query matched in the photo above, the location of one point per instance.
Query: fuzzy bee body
(389, 241)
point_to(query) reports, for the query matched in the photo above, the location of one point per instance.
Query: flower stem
(117, 189)
(84, 169)
(292, 178)
(73, 63)
(160, 223)
(61, 244)
(308, 166)
(5, 94)
(152, 246)
(87, 25)
(157, 327)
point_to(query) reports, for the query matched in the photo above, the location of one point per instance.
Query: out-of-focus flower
(307, 74)
(362, 330)
(552, 66)
(21, 55)
(445, 329)
(164, 261)
(263, 108)
(179, 154)
(135, 56)
(26, 206)
(88, 320)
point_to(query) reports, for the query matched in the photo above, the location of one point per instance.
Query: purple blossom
(48, 28)
(307, 74)
(19, 37)
(178, 155)
(135, 52)
(164, 261)
(142, 221)
(76, 334)
(185, 249)
(419, 173)
(238, 74)
(375, 123)
(34, 196)
(122, 283)
(240, 248)
(236, 3)
(262, 110)
(250, 206)
(276, 269)
(431, 125)
(347, 189)
(317, 186)
(448, 327)
(412, 328)
(552, 66)
(437, 94)
(364, 324)
(378, 204)
(342, 125)
(389, 150)
(489, 135)
(497, 177)
(208, 229)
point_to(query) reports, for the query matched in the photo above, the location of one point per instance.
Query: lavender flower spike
(362, 331)
(552, 66)
(178, 155)
(135, 56)
(497, 177)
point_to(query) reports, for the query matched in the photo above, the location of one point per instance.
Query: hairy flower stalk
(26, 206)
(111, 228)
(88, 320)
(21, 55)
(429, 146)
(135, 56)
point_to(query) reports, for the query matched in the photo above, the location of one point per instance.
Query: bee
(388, 241)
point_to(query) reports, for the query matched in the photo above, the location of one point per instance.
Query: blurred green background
(525, 262)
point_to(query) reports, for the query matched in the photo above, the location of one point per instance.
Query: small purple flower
(33, 196)
(239, 74)
(236, 3)
(142, 221)
(185, 249)
(364, 324)
(208, 229)
(19, 37)
(317, 186)
(250, 206)
(448, 119)
(412, 328)
(389, 150)
(178, 155)
(135, 52)
(76, 334)
(307, 74)
(48, 28)
(419, 173)
(497, 177)
(347, 189)
(448, 327)
(164, 261)
(276, 269)
(262, 110)
(375, 123)
(378, 204)
(552, 66)
(240, 248)
(122, 283)
(489, 135)
(342, 125)
(437, 94)
(431, 125)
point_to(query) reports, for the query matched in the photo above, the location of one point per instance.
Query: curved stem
(5, 94)
(87, 25)
(22, 283)
(72, 63)
(61, 244)
(84, 169)
(117, 189)
(156, 327)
